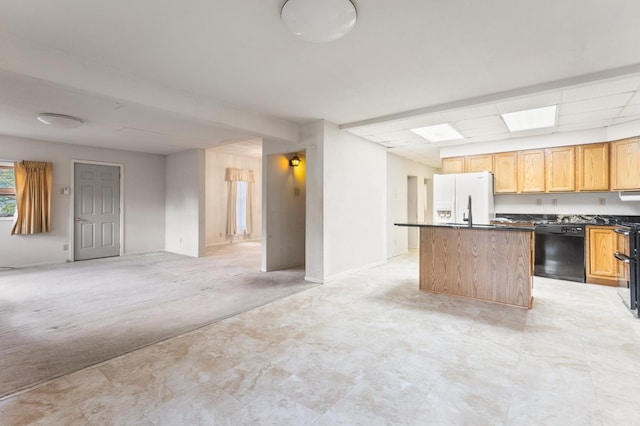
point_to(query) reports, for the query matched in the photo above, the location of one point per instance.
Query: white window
(241, 208)
(7, 190)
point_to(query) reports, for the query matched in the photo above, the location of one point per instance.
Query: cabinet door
(531, 169)
(593, 167)
(625, 164)
(505, 173)
(479, 163)
(602, 267)
(453, 165)
(561, 169)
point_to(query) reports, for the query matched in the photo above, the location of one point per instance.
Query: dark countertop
(500, 227)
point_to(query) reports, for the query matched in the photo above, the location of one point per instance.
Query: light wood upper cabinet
(453, 165)
(505, 173)
(479, 163)
(531, 170)
(561, 169)
(593, 167)
(625, 164)
(601, 265)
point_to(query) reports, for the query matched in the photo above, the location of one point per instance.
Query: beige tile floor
(370, 349)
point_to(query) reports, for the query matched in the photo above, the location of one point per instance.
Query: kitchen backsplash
(581, 203)
(563, 218)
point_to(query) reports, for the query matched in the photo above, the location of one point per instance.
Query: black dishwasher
(560, 251)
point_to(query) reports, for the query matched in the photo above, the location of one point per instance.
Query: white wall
(216, 194)
(144, 200)
(355, 204)
(571, 203)
(398, 168)
(185, 203)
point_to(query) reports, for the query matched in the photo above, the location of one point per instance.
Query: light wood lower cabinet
(601, 265)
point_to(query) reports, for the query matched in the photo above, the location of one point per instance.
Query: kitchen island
(487, 262)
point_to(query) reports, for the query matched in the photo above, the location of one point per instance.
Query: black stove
(631, 259)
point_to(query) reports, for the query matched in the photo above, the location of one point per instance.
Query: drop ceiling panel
(496, 131)
(600, 90)
(630, 111)
(595, 104)
(572, 127)
(529, 102)
(635, 99)
(471, 112)
(588, 117)
(492, 121)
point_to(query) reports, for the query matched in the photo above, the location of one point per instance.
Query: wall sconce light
(295, 160)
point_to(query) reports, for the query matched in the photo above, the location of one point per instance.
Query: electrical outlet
(602, 201)
(554, 201)
(65, 247)
(538, 201)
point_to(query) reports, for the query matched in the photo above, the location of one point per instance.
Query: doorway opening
(284, 247)
(233, 197)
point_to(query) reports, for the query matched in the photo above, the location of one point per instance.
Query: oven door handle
(621, 232)
(622, 257)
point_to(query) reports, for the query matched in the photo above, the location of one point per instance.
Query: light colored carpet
(61, 318)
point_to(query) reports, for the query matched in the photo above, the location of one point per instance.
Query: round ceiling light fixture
(59, 120)
(319, 21)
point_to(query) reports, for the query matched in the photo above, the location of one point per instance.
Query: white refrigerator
(451, 194)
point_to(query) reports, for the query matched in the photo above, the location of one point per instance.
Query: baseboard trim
(223, 243)
(353, 270)
(313, 280)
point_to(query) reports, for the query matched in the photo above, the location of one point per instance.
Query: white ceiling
(161, 75)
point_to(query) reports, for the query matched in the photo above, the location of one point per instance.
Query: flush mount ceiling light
(59, 120)
(529, 119)
(438, 133)
(319, 21)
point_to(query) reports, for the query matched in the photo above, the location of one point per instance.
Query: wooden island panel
(484, 264)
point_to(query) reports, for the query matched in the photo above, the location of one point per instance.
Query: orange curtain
(34, 181)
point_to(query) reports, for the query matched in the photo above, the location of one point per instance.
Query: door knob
(77, 219)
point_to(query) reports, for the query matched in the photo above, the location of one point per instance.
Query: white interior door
(96, 211)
